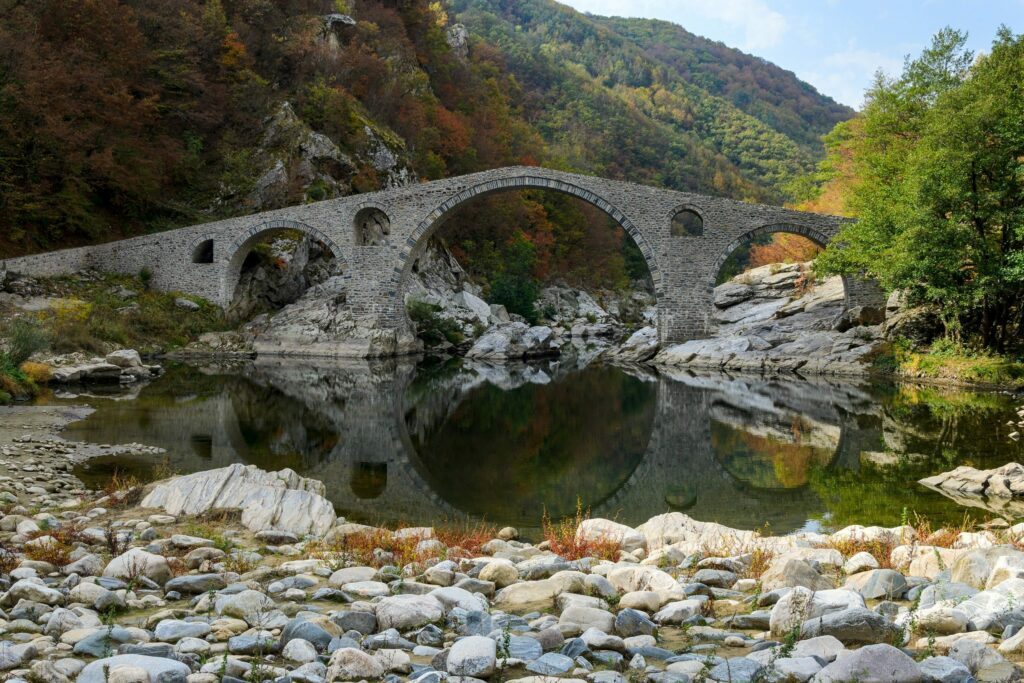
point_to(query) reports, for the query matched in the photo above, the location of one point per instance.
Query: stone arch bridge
(377, 237)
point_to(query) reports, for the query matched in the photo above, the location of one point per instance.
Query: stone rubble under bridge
(377, 237)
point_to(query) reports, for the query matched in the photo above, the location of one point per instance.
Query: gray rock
(524, 648)
(938, 592)
(279, 500)
(194, 584)
(364, 622)
(159, 669)
(187, 304)
(252, 644)
(736, 670)
(299, 651)
(474, 656)
(872, 663)
(350, 664)
(719, 578)
(551, 664)
(631, 622)
(173, 630)
(408, 611)
(974, 655)
(102, 642)
(878, 584)
(308, 631)
(944, 670)
(512, 340)
(853, 626)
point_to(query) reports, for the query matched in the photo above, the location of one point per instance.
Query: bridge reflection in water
(396, 443)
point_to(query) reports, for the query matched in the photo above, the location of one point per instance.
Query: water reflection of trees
(510, 454)
(392, 443)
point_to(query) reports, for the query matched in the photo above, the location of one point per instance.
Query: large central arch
(417, 240)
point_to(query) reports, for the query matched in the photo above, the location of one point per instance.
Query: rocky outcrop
(999, 490)
(321, 323)
(267, 500)
(777, 319)
(269, 282)
(513, 341)
(119, 367)
(641, 346)
(300, 164)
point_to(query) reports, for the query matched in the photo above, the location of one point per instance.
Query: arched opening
(687, 223)
(369, 479)
(273, 265)
(765, 286)
(203, 252)
(372, 227)
(534, 251)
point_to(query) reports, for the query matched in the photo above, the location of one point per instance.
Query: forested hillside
(119, 117)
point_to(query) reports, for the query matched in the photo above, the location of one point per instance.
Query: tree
(938, 167)
(515, 286)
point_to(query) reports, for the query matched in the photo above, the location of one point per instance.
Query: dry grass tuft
(40, 373)
(562, 540)
(465, 539)
(880, 549)
(124, 490)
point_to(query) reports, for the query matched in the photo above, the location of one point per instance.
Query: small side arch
(686, 221)
(371, 225)
(419, 237)
(202, 249)
(240, 247)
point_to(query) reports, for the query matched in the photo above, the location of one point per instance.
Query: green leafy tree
(939, 187)
(515, 286)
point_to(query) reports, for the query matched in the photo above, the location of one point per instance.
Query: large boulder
(802, 604)
(871, 664)
(405, 612)
(854, 626)
(267, 500)
(474, 656)
(512, 340)
(785, 572)
(156, 669)
(605, 530)
(137, 563)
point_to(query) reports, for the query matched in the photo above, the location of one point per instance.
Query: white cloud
(758, 26)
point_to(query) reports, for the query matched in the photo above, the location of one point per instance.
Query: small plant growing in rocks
(562, 539)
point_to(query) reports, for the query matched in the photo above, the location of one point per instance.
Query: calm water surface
(400, 443)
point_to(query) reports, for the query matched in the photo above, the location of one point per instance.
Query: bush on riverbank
(18, 379)
(949, 361)
(100, 313)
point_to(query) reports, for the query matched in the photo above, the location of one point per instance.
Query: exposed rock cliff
(776, 318)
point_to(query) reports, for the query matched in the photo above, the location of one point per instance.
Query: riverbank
(251, 575)
(773, 320)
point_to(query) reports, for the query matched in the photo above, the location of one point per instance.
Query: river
(434, 442)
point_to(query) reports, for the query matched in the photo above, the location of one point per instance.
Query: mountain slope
(126, 116)
(763, 90)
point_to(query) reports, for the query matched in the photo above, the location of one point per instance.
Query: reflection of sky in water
(393, 444)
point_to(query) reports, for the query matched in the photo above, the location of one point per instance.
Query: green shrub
(432, 328)
(25, 338)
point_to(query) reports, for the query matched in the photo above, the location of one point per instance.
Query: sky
(835, 45)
